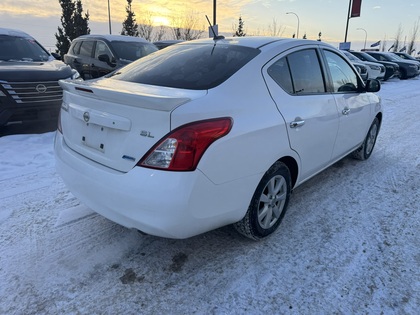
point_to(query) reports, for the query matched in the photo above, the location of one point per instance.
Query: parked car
(406, 56)
(374, 69)
(408, 69)
(391, 68)
(362, 69)
(212, 132)
(166, 43)
(96, 55)
(29, 74)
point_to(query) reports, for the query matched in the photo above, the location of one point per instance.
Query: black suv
(96, 55)
(29, 74)
(391, 68)
(408, 69)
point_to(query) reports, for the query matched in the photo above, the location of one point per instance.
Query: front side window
(188, 66)
(86, 48)
(102, 49)
(344, 79)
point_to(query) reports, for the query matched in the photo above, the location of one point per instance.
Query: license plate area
(94, 136)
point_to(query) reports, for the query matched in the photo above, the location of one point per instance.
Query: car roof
(254, 41)
(111, 38)
(13, 32)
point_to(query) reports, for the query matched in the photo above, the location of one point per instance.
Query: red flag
(355, 9)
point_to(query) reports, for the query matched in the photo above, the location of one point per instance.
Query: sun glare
(160, 20)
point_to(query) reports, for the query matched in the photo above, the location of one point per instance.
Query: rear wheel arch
(293, 168)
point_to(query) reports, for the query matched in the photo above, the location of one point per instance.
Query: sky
(379, 20)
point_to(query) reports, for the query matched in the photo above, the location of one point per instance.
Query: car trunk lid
(115, 123)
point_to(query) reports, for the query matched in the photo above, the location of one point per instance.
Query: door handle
(297, 123)
(346, 111)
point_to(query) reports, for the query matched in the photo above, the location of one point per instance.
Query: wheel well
(293, 168)
(379, 116)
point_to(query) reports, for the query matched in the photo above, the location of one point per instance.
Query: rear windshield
(13, 48)
(188, 66)
(131, 50)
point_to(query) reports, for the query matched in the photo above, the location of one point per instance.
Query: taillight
(59, 127)
(182, 149)
(65, 107)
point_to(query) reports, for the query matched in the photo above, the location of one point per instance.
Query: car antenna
(215, 37)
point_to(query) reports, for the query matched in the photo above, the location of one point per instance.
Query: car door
(297, 85)
(86, 53)
(353, 107)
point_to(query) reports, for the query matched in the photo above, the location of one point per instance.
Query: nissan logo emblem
(41, 88)
(86, 116)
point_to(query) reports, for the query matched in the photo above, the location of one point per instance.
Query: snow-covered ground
(349, 244)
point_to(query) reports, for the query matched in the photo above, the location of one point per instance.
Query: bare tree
(413, 37)
(398, 36)
(275, 29)
(383, 44)
(186, 27)
(160, 33)
(146, 26)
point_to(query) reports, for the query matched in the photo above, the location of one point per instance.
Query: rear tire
(365, 150)
(268, 204)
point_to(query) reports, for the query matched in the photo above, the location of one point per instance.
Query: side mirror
(56, 56)
(373, 85)
(105, 58)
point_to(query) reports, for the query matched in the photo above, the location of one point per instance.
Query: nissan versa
(213, 132)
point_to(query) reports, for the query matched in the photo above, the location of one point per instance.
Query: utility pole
(109, 18)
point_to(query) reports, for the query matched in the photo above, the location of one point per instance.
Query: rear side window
(86, 48)
(280, 73)
(299, 73)
(188, 66)
(76, 48)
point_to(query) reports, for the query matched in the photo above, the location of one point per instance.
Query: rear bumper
(12, 113)
(166, 204)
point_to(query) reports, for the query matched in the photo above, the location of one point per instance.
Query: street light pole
(297, 33)
(362, 29)
(109, 17)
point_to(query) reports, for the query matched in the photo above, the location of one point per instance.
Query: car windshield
(13, 48)
(132, 50)
(394, 57)
(188, 66)
(366, 57)
(351, 56)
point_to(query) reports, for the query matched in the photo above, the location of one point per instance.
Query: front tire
(268, 204)
(365, 150)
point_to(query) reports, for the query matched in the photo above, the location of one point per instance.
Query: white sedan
(213, 132)
(374, 70)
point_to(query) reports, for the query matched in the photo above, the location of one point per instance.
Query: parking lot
(349, 243)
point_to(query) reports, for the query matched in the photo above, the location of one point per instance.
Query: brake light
(182, 149)
(59, 127)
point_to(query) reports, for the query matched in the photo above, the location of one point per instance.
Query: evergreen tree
(80, 22)
(130, 27)
(240, 31)
(73, 25)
